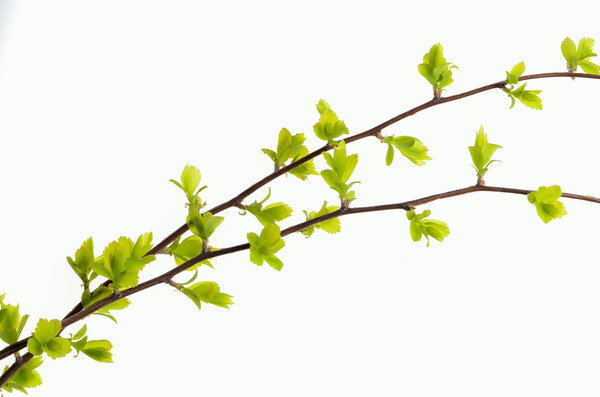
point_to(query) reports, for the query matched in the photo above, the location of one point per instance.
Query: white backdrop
(102, 102)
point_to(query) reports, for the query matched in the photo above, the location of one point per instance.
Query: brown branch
(77, 313)
(167, 277)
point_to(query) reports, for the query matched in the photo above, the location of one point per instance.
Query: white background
(102, 102)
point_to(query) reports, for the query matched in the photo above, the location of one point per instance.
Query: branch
(78, 313)
(166, 277)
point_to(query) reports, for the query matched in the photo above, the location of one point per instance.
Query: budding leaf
(329, 126)
(190, 179)
(512, 77)
(189, 248)
(272, 213)
(329, 225)
(202, 225)
(579, 56)
(25, 377)
(45, 339)
(342, 167)
(264, 247)
(482, 152)
(546, 202)
(528, 98)
(411, 148)
(436, 70)
(207, 292)
(419, 226)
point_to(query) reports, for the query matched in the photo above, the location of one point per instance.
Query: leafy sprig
(411, 148)
(11, 322)
(291, 147)
(436, 69)
(528, 98)
(580, 55)
(189, 181)
(330, 225)
(342, 167)
(264, 247)
(207, 292)
(272, 213)
(329, 126)
(546, 203)
(481, 154)
(419, 226)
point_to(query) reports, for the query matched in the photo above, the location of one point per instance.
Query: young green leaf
(528, 98)
(546, 203)
(264, 247)
(411, 148)
(189, 248)
(25, 377)
(579, 56)
(329, 126)
(122, 260)
(481, 154)
(45, 339)
(305, 169)
(512, 77)
(330, 225)
(436, 70)
(11, 322)
(419, 226)
(342, 167)
(207, 292)
(272, 213)
(202, 225)
(190, 179)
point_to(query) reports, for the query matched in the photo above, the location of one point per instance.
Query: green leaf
(329, 126)
(569, 51)
(546, 203)
(190, 179)
(482, 152)
(202, 225)
(589, 67)
(263, 247)
(436, 70)
(46, 330)
(528, 98)
(272, 213)
(98, 350)
(419, 226)
(34, 347)
(329, 225)
(9, 336)
(389, 156)
(342, 167)
(305, 169)
(80, 334)
(57, 347)
(208, 292)
(512, 77)
(411, 148)
(26, 376)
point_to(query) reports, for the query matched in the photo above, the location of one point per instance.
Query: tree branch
(78, 313)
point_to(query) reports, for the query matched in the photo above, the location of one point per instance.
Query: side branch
(166, 277)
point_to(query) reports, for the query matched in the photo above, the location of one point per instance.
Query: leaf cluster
(411, 148)
(342, 167)
(329, 126)
(419, 226)
(528, 98)
(98, 350)
(45, 340)
(436, 70)
(207, 292)
(187, 249)
(202, 225)
(122, 260)
(82, 264)
(481, 153)
(580, 55)
(264, 247)
(291, 147)
(546, 202)
(330, 225)
(189, 181)
(25, 377)
(272, 213)
(11, 322)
